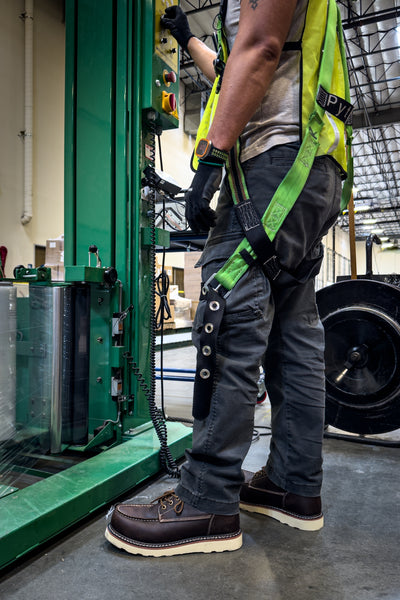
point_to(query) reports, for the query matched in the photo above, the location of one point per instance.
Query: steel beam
(202, 6)
(377, 17)
(375, 119)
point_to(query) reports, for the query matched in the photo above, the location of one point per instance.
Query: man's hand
(204, 185)
(177, 22)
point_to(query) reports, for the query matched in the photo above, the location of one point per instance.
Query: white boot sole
(205, 545)
(303, 523)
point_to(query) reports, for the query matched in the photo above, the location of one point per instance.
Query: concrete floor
(354, 557)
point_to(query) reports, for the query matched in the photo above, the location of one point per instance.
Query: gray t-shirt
(277, 120)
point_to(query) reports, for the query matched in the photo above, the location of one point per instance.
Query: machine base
(32, 516)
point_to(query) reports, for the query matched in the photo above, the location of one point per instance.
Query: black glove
(204, 185)
(177, 22)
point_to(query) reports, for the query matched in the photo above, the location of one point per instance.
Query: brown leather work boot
(258, 494)
(168, 526)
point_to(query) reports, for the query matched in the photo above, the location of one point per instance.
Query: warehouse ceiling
(372, 36)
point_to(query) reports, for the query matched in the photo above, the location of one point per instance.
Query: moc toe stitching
(139, 519)
(119, 514)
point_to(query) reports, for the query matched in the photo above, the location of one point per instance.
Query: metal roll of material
(8, 329)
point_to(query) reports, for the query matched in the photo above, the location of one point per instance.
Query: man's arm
(203, 56)
(263, 29)
(177, 22)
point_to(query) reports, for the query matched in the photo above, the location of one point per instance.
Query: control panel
(165, 69)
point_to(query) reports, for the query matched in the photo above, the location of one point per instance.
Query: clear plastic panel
(43, 376)
(8, 328)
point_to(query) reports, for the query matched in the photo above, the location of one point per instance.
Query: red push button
(169, 77)
(168, 102)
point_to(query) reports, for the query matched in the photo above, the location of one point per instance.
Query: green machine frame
(121, 90)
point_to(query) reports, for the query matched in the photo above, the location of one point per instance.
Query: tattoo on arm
(253, 4)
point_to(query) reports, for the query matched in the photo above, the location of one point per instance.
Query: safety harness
(257, 245)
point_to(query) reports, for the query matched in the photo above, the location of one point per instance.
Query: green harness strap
(294, 182)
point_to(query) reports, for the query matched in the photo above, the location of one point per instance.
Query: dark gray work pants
(272, 323)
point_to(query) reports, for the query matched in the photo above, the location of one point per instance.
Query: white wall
(384, 262)
(177, 149)
(48, 128)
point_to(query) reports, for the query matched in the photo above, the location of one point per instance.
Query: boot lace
(259, 474)
(170, 498)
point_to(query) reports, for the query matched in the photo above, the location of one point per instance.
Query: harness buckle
(272, 267)
(223, 292)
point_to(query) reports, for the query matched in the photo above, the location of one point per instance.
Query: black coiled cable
(157, 417)
(166, 458)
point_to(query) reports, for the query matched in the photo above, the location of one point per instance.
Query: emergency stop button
(168, 103)
(169, 77)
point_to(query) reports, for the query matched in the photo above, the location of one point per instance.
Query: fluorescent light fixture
(362, 207)
(377, 231)
(369, 221)
(388, 246)
(385, 239)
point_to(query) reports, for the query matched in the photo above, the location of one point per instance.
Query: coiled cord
(166, 458)
(157, 416)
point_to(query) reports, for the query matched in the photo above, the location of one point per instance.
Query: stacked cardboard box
(195, 304)
(192, 276)
(182, 312)
(55, 258)
(183, 309)
(167, 269)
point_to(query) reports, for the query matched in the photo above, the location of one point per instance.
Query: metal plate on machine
(165, 46)
(165, 69)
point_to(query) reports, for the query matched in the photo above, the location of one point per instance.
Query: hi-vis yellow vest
(332, 140)
(333, 135)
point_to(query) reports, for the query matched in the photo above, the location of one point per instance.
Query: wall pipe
(28, 116)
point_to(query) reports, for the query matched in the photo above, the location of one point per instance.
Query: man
(270, 318)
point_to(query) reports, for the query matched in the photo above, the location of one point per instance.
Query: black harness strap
(250, 220)
(222, 9)
(207, 353)
(258, 239)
